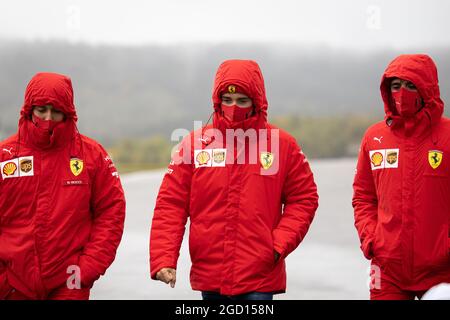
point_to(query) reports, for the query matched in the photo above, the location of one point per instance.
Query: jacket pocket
(268, 252)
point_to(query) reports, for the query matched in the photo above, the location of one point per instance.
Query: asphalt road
(328, 264)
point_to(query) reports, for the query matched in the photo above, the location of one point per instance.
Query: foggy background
(141, 69)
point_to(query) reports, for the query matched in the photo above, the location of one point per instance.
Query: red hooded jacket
(61, 200)
(239, 215)
(402, 184)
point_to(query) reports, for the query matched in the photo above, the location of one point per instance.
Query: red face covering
(45, 125)
(235, 113)
(42, 130)
(406, 102)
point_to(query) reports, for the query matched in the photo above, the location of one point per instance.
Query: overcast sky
(359, 24)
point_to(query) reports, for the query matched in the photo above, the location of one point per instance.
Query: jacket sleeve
(108, 215)
(365, 201)
(171, 211)
(300, 201)
(4, 288)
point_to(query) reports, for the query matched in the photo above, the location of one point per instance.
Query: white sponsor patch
(26, 166)
(219, 157)
(10, 168)
(210, 157)
(391, 158)
(203, 158)
(18, 167)
(384, 158)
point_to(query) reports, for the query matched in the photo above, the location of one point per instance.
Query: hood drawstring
(74, 154)
(434, 137)
(17, 149)
(389, 121)
(208, 140)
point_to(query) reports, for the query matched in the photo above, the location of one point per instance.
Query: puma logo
(9, 151)
(378, 139)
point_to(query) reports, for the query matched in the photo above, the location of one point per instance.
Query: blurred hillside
(139, 95)
(319, 137)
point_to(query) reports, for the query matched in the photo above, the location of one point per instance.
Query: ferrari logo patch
(435, 158)
(266, 159)
(76, 166)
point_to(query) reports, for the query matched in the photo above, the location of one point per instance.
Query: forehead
(396, 80)
(47, 106)
(235, 96)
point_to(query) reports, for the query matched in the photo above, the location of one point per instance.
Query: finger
(159, 275)
(164, 276)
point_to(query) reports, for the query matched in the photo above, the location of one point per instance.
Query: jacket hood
(50, 89)
(246, 75)
(421, 70)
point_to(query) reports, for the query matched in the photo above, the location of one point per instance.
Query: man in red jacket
(250, 199)
(402, 184)
(62, 206)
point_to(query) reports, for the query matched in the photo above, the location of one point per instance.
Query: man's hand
(167, 275)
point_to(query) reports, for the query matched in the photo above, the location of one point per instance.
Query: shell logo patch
(266, 159)
(9, 169)
(18, 167)
(231, 89)
(435, 158)
(377, 159)
(202, 158)
(76, 166)
(384, 158)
